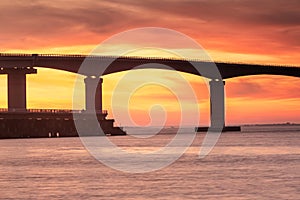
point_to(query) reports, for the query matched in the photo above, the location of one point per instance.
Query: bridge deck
(72, 63)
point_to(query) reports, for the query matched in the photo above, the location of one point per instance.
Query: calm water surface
(252, 165)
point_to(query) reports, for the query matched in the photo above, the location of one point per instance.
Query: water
(252, 165)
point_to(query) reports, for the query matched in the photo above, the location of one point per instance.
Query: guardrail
(171, 59)
(35, 110)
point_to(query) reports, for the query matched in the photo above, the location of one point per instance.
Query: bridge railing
(165, 59)
(16, 54)
(51, 110)
(35, 110)
(3, 110)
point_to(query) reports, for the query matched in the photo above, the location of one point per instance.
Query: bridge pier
(217, 104)
(16, 83)
(93, 93)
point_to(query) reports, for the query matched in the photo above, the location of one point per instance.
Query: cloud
(263, 87)
(267, 12)
(222, 24)
(43, 23)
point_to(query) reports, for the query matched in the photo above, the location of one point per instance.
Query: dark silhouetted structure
(17, 66)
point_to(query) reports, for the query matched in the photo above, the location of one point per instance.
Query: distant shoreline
(176, 127)
(281, 124)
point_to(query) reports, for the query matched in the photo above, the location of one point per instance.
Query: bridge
(17, 66)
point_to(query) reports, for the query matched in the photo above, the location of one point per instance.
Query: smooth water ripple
(242, 166)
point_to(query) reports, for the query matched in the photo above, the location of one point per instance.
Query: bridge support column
(93, 93)
(16, 83)
(217, 104)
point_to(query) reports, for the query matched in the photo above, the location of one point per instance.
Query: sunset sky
(251, 31)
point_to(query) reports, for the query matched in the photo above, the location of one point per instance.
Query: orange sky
(249, 31)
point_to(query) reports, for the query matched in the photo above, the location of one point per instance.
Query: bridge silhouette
(17, 66)
(72, 63)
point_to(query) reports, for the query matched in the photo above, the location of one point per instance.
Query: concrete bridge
(17, 66)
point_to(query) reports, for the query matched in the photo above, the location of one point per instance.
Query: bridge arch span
(227, 70)
(72, 63)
